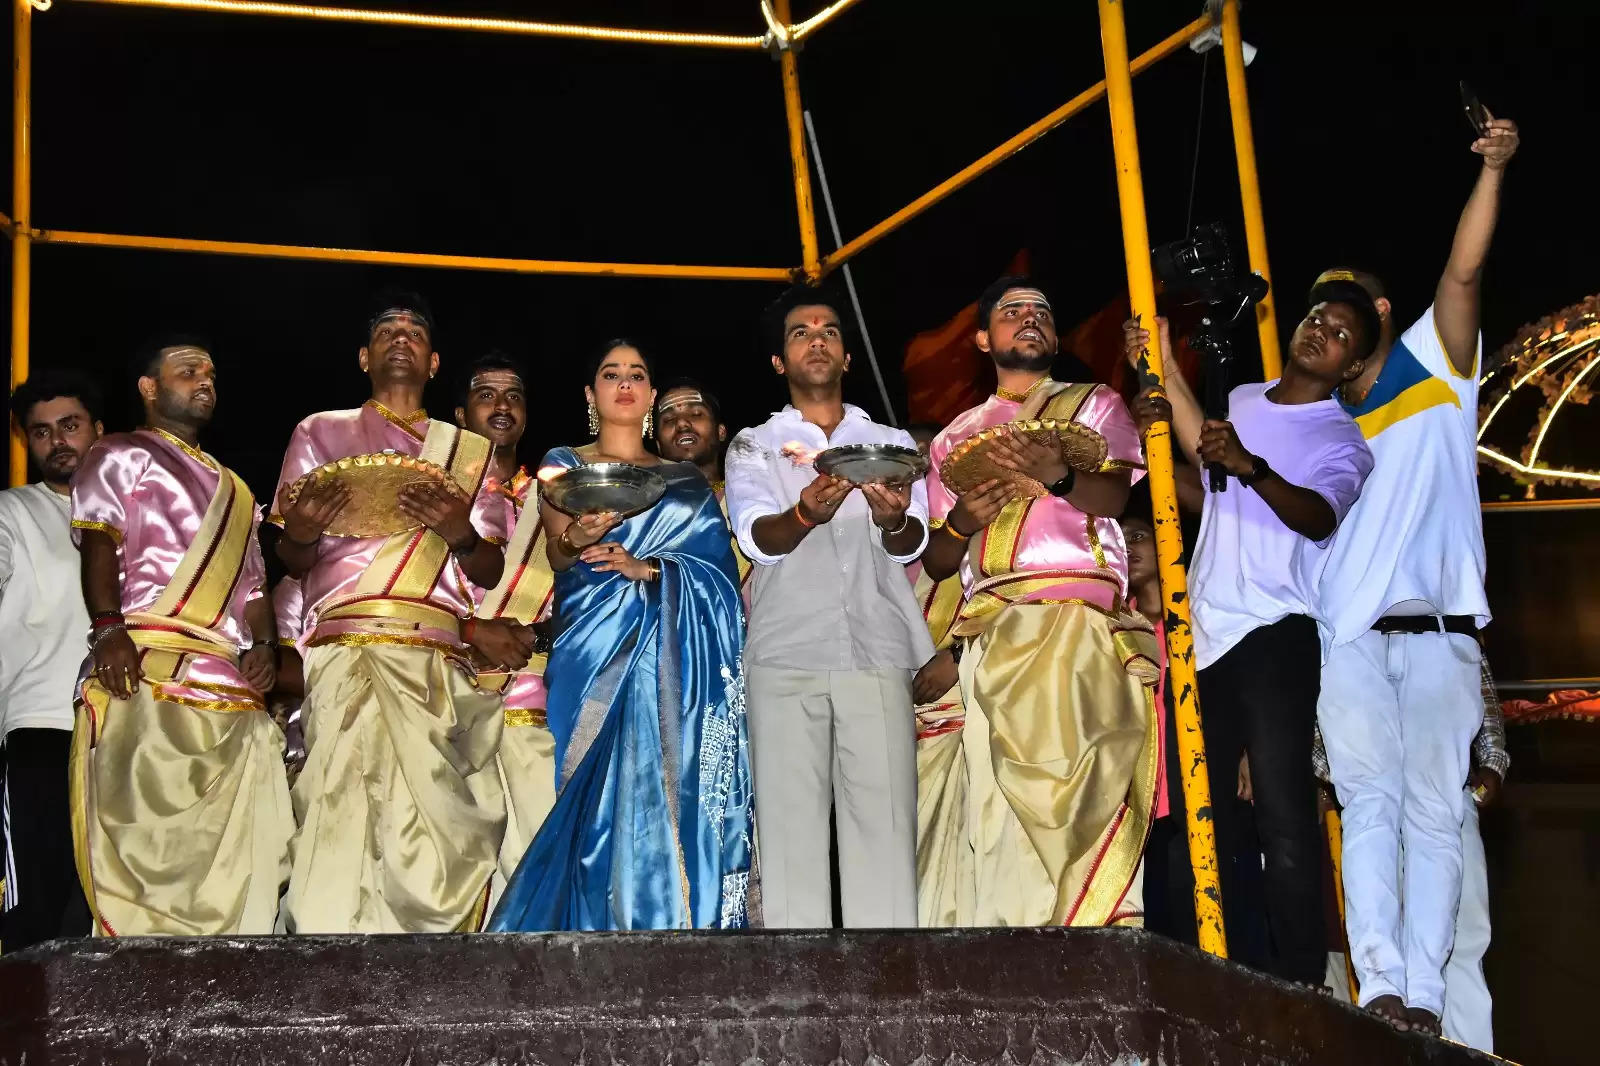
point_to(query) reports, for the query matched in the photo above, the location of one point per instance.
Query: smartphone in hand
(1477, 116)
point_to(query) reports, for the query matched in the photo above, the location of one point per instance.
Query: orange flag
(944, 370)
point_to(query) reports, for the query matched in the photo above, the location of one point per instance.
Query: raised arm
(1456, 301)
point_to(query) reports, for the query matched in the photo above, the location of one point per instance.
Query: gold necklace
(194, 453)
(1020, 397)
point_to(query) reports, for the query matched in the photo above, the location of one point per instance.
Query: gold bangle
(950, 527)
(565, 545)
(655, 571)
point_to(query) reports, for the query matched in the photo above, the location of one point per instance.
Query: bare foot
(1423, 1021)
(1391, 1009)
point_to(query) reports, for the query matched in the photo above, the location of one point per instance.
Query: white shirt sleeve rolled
(749, 492)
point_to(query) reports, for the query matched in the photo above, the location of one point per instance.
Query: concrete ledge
(1021, 997)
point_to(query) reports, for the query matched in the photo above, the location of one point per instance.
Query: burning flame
(799, 454)
(550, 473)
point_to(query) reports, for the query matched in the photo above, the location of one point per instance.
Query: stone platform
(1024, 997)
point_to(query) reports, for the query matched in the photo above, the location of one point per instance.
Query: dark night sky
(249, 129)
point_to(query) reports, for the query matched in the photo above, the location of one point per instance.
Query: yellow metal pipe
(21, 210)
(417, 259)
(1335, 827)
(1244, 149)
(1163, 494)
(810, 262)
(522, 27)
(987, 162)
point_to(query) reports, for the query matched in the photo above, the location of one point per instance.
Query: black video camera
(1199, 270)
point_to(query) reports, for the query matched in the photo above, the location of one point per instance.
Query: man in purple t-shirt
(1295, 463)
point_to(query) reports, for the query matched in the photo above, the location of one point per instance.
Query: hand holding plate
(590, 528)
(305, 520)
(981, 506)
(888, 503)
(446, 514)
(1028, 456)
(820, 500)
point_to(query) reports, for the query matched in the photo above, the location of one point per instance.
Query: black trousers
(43, 897)
(1261, 699)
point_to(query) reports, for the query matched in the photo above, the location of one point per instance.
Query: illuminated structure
(1554, 358)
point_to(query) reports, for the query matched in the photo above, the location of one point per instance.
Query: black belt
(1427, 623)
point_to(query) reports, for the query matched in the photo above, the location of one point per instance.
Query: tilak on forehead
(185, 349)
(400, 312)
(1023, 297)
(682, 398)
(491, 377)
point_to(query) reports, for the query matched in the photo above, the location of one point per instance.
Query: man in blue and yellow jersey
(1403, 590)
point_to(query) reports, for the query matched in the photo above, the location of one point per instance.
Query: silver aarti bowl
(872, 464)
(595, 487)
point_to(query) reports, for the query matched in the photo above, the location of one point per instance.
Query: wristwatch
(1064, 486)
(1258, 470)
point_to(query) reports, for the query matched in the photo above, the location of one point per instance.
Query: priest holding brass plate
(1001, 452)
(374, 482)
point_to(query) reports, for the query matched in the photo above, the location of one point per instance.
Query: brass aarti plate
(595, 487)
(971, 462)
(375, 481)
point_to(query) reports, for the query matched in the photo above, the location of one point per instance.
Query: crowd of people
(511, 718)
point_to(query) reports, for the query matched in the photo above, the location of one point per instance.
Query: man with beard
(42, 616)
(1059, 745)
(501, 632)
(835, 636)
(394, 835)
(690, 429)
(181, 811)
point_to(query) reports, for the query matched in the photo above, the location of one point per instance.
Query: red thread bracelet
(803, 520)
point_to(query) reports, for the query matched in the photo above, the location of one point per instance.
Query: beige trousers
(845, 739)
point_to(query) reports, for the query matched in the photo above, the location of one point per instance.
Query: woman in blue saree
(653, 822)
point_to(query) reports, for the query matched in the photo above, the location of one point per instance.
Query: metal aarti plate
(872, 464)
(375, 481)
(971, 462)
(595, 487)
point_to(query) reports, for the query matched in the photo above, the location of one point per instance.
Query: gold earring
(649, 420)
(594, 420)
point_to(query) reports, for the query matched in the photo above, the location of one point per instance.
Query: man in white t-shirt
(1296, 464)
(1403, 590)
(44, 624)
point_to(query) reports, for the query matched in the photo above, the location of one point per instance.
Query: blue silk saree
(653, 823)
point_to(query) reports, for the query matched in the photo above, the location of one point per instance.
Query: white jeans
(1398, 714)
(1467, 1006)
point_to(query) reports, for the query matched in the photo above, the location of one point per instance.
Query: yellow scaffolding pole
(988, 161)
(520, 27)
(1334, 825)
(416, 259)
(809, 260)
(1163, 493)
(1244, 149)
(21, 211)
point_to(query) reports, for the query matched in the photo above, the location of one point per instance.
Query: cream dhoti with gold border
(181, 817)
(1036, 781)
(400, 806)
(525, 764)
